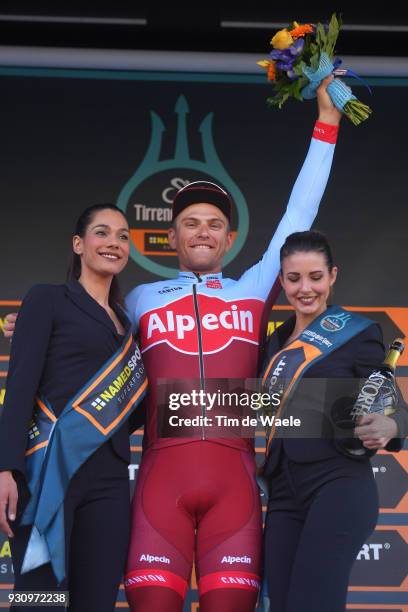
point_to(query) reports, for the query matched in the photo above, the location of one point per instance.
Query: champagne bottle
(378, 394)
(394, 353)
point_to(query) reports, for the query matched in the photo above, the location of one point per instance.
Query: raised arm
(306, 194)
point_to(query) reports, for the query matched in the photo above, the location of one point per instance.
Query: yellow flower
(270, 68)
(282, 40)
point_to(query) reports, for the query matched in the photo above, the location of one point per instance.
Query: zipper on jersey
(200, 349)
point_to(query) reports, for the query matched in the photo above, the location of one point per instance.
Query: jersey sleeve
(28, 353)
(301, 210)
(132, 304)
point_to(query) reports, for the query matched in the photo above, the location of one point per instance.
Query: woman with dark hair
(322, 503)
(64, 493)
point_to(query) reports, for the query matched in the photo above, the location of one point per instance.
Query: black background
(68, 143)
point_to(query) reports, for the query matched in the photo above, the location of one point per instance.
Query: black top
(62, 338)
(333, 375)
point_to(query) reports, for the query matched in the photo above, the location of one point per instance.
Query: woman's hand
(9, 324)
(8, 502)
(328, 113)
(375, 430)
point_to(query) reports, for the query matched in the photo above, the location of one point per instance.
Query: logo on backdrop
(392, 480)
(147, 197)
(6, 566)
(381, 561)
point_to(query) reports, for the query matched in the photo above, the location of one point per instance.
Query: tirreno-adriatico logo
(333, 323)
(147, 197)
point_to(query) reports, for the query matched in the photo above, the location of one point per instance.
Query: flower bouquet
(302, 56)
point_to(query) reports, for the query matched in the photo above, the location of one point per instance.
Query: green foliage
(332, 35)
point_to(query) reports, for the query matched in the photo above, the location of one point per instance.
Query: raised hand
(328, 113)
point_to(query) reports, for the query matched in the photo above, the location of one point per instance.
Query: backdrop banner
(72, 138)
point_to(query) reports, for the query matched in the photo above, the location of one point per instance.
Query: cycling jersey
(210, 327)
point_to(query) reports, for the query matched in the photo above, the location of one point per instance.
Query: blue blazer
(62, 338)
(356, 359)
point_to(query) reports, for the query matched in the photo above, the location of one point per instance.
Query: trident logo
(146, 197)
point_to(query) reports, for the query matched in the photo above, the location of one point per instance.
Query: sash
(58, 447)
(325, 334)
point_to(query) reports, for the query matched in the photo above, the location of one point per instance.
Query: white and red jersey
(211, 327)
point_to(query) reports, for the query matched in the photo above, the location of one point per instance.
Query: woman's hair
(74, 266)
(306, 242)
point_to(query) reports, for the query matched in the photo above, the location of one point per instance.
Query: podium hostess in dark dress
(322, 504)
(64, 334)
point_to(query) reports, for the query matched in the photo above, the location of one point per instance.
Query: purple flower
(297, 46)
(290, 53)
(286, 57)
(285, 65)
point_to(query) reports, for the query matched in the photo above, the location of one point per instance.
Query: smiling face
(104, 248)
(201, 238)
(306, 280)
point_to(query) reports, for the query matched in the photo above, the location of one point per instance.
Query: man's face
(201, 237)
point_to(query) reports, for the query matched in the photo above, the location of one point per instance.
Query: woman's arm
(377, 430)
(28, 353)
